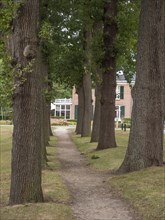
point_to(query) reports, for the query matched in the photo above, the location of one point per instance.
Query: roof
(121, 77)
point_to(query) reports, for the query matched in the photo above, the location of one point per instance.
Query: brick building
(68, 108)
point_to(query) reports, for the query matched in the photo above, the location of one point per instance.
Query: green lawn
(57, 198)
(144, 190)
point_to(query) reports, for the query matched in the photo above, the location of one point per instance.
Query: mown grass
(144, 190)
(57, 197)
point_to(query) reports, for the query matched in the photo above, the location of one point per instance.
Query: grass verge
(144, 190)
(57, 197)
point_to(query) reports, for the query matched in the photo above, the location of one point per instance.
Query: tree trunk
(87, 86)
(96, 119)
(46, 123)
(108, 91)
(50, 129)
(87, 117)
(97, 31)
(145, 147)
(43, 145)
(26, 147)
(80, 110)
(44, 128)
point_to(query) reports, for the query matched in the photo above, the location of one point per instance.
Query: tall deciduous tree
(145, 146)
(26, 149)
(107, 129)
(80, 109)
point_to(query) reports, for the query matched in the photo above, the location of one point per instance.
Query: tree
(108, 92)
(26, 148)
(145, 147)
(80, 110)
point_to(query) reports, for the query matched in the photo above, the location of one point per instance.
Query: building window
(57, 113)
(67, 114)
(122, 108)
(120, 112)
(62, 106)
(119, 92)
(57, 107)
(63, 114)
(68, 107)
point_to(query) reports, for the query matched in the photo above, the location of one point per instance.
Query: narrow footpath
(91, 199)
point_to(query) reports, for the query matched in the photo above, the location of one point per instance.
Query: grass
(57, 197)
(143, 190)
(108, 158)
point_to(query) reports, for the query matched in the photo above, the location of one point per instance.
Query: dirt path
(91, 199)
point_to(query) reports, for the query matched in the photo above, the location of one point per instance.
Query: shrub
(127, 121)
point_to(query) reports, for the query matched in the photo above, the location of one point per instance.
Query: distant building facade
(68, 108)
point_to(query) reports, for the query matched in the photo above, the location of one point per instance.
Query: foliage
(127, 121)
(128, 19)
(6, 84)
(7, 13)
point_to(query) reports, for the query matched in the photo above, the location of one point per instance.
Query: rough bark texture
(50, 129)
(44, 129)
(26, 149)
(108, 91)
(80, 110)
(43, 146)
(96, 119)
(145, 146)
(87, 87)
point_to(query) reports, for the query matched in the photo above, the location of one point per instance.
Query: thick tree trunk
(87, 117)
(97, 31)
(96, 119)
(44, 114)
(43, 148)
(80, 110)
(108, 93)
(26, 149)
(46, 123)
(87, 85)
(145, 147)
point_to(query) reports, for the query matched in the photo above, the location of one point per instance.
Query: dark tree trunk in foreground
(87, 87)
(145, 147)
(80, 110)
(26, 149)
(108, 93)
(96, 119)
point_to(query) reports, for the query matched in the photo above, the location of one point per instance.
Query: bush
(57, 117)
(59, 122)
(72, 120)
(5, 122)
(127, 121)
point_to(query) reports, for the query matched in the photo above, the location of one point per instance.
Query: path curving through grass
(91, 198)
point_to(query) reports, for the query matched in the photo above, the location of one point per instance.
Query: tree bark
(87, 85)
(87, 117)
(43, 145)
(26, 147)
(97, 31)
(44, 129)
(145, 147)
(50, 129)
(80, 110)
(96, 119)
(108, 91)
